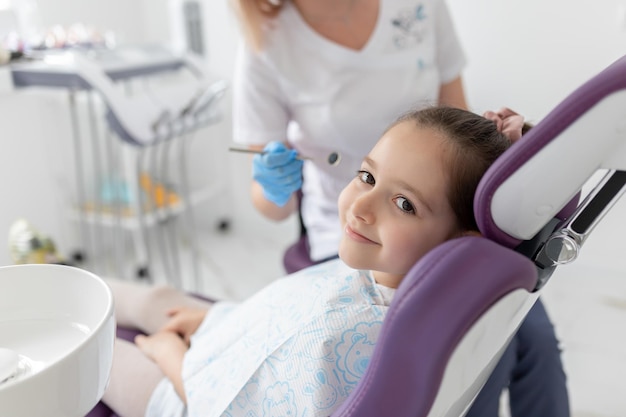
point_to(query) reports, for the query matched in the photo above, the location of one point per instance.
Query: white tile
(587, 303)
(596, 383)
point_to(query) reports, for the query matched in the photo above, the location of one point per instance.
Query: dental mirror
(333, 159)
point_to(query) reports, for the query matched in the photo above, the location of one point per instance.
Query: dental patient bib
(296, 348)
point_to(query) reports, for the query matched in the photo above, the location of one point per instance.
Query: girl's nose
(363, 208)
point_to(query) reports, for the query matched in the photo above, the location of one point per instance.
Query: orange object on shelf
(157, 192)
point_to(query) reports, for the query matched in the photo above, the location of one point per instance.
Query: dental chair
(459, 306)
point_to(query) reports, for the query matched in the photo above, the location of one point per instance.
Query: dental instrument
(333, 158)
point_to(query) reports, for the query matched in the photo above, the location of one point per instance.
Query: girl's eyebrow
(405, 185)
(417, 193)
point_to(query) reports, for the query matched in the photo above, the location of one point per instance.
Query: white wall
(529, 54)
(525, 54)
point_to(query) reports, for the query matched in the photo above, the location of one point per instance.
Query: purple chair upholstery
(296, 256)
(464, 283)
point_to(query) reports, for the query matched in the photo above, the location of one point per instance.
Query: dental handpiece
(333, 158)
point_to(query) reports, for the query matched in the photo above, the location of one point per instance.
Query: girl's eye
(366, 177)
(404, 205)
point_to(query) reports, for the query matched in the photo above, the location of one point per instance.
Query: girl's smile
(357, 237)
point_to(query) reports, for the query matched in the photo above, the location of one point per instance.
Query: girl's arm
(452, 94)
(167, 349)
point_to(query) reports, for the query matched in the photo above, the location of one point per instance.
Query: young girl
(300, 345)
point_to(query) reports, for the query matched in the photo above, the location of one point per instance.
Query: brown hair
(476, 144)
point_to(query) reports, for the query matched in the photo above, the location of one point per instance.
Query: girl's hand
(168, 350)
(161, 346)
(184, 321)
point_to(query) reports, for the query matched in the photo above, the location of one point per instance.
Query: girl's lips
(357, 237)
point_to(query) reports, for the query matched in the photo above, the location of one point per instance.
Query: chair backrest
(459, 306)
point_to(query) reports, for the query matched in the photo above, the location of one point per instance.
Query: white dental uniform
(328, 98)
(297, 348)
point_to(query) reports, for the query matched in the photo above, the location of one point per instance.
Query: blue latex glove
(278, 171)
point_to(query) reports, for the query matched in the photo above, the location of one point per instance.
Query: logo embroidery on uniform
(408, 27)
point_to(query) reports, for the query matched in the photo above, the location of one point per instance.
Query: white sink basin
(57, 332)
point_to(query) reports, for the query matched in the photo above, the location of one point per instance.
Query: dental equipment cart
(131, 164)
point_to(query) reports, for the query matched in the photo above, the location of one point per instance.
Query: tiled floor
(586, 301)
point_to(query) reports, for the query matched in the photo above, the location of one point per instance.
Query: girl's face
(395, 210)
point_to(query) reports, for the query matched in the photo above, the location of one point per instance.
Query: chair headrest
(541, 175)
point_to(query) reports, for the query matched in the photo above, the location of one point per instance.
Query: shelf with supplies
(126, 215)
